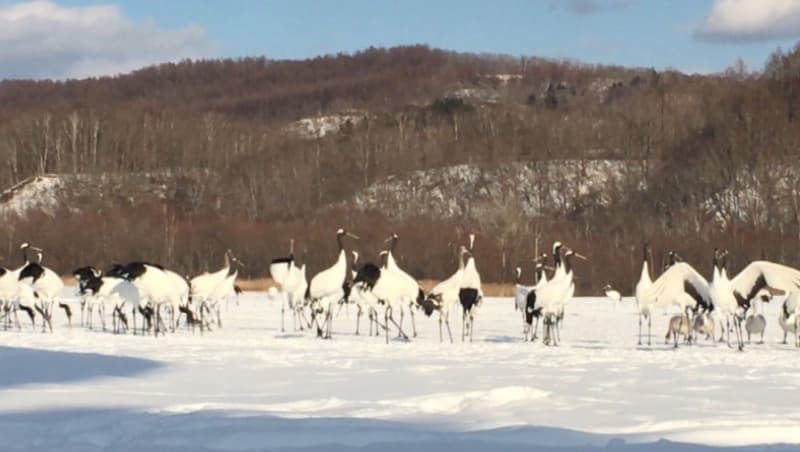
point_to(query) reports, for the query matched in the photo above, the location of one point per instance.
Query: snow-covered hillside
(96, 192)
(455, 190)
(34, 193)
(320, 126)
(250, 387)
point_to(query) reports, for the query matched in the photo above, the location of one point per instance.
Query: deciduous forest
(254, 152)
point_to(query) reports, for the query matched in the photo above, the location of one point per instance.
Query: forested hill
(176, 163)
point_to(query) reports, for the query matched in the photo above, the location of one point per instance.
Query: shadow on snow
(23, 366)
(88, 430)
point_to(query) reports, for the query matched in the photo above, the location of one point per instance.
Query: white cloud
(751, 20)
(41, 39)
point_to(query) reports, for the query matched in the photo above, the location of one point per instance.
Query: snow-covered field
(250, 387)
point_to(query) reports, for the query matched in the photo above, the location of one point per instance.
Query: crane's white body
(788, 318)
(444, 296)
(15, 296)
(326, 289)
(202, 286)
(756, 322)
(408, 289)
(470, 281)
(47, 288)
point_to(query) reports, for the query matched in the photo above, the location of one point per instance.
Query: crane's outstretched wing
(761, 274)
(678, 281)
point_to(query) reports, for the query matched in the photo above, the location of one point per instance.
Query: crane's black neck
(715, 261)
(568, 262)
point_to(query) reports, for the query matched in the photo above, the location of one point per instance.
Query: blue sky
(690, 35)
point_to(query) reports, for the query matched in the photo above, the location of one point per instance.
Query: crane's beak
(388, 239)
(352, 236)
(579, 256)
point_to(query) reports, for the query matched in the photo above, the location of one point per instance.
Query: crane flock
(386, 294)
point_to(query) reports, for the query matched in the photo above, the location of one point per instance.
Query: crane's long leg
(102, 312)
(728, 329)
(358, 319)
(441, 338)
(413, 322)
(401, 333)
(330, 324)
(471, 326)
(447, 324)
(739, 335)
(463, 323)
(386, 321)
(402, 315)
(640, 328)
(16, 318)
(283, 310)
(650, 329)
(558, 332)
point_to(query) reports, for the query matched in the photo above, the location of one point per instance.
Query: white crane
(788, 318)
(521, 290)
(156, 286)
(386, 287)
(756, 323)
(47, 284)
(557, 292)
(327, 287)
(203, 284)
(99, 289)
(643, 303)
(612, 294)
(530, 311)
(444, 296)
(284, 272)
(413, 295)
(16, 296)
(470, 293)
(208, 289)
(731, 297)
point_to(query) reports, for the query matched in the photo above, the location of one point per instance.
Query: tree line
(709, 159)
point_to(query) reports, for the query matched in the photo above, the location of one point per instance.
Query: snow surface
(321, 126)
(248, 386)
